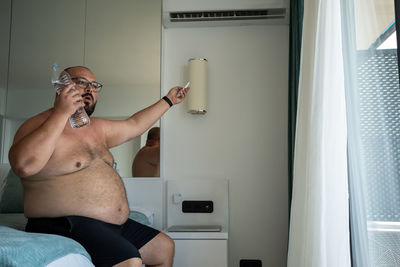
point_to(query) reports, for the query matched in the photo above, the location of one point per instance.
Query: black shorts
(107, 244)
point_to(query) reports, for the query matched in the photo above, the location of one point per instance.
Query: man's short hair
(154, 134)
(73, 67)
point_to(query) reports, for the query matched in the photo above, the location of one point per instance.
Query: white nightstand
(199, 248)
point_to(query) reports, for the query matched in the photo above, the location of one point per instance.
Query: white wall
(243, 137)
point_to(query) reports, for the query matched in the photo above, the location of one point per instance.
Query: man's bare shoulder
(37, 119)
(109, 125)
(102, 123)
(103, 126)
(98, 120)
(31, 124)
(42, 115)
(117, 131)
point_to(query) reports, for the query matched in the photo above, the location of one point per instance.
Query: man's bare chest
(75, 152)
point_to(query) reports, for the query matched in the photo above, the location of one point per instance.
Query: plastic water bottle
(80, 117)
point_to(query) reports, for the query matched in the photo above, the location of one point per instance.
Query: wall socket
(250, 263)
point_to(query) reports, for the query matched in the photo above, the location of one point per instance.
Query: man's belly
(96, 192)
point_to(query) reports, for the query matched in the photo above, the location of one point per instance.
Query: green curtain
(296, 29)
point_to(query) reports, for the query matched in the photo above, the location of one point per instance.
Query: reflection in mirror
(147, 159)
(120, 41)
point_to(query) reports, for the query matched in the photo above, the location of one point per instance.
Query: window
(375, 89)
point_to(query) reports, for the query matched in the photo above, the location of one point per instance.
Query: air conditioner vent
(226, 15)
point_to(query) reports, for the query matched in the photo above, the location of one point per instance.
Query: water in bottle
(80, 117)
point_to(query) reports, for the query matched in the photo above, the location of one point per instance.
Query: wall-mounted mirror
(119, 40)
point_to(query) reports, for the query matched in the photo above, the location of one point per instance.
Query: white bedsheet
(73, 259)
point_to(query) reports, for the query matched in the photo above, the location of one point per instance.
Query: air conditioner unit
(209, 13)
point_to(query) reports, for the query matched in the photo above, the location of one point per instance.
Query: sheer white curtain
(319, 224)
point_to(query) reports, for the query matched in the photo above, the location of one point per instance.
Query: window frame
(397, 15)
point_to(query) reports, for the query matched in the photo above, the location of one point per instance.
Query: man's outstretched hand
(176, 95)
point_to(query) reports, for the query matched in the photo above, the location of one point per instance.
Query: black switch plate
(250, 263)
(197, 206)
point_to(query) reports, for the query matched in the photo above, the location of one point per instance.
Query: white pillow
(149, 215)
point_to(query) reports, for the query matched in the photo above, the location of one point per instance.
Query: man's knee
(158, 251)
(168, 246)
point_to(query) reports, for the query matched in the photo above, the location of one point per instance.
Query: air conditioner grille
(273, 13)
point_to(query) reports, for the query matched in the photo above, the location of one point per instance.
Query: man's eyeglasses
(83, 83)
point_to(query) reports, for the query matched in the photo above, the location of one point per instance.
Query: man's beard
(90, 108)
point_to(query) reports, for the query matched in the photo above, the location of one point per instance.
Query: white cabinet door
(201, 253)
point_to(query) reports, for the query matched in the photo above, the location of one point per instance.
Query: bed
(19, 248)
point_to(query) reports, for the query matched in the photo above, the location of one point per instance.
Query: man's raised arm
(118, 132)
(35, 140)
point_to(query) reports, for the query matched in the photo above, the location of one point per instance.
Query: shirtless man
(70, 187)
(147, 160)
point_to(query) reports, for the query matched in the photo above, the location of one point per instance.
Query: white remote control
(186, 86)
